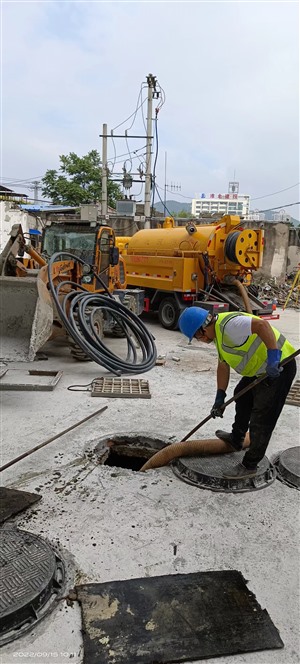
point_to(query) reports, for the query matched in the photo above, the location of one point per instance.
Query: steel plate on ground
(207, 473)
(31, 575)
(173, 618)
(13, 501)
(287, 464)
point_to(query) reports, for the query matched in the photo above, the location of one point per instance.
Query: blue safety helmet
(191, 319)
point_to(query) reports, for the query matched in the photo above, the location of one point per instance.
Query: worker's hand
(217, 410)
(273, 369)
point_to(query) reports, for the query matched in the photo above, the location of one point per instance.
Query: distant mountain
(173, 206)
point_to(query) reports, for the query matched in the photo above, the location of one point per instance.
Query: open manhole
(207, 473)
(130, 450)
(287, 464)
(31, 579)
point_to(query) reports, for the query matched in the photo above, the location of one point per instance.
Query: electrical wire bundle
(77, 309)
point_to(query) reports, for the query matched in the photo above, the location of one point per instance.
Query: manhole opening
(129, 451)
(129, 461)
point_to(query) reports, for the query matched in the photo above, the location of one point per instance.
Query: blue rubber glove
(273, 369)
(217, 410)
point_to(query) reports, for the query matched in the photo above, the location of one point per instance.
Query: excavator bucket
(26, 317)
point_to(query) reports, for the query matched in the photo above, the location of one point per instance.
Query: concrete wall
(10, 214)
(282, 243)
(282, 248)
(293, 257)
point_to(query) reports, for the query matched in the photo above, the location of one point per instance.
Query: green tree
(183, 214)
(78, 181)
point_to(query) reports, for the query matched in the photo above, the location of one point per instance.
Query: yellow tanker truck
(211, 264)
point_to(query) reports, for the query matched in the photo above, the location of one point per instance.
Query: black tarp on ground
(13, 501)
(173, 618)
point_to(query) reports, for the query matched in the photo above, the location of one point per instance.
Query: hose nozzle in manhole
(130, 450)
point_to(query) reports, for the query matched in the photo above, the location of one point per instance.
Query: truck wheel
(168, 313)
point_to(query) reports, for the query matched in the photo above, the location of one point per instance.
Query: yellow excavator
(87, 261)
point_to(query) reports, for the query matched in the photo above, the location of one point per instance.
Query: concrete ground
(114, 524)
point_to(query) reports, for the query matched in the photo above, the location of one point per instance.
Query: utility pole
(151, 80)
(104, 172)
(35, 188)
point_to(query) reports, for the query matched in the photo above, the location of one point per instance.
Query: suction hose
(190, 448)
(76, 310)
(244, 295)
(208, 446)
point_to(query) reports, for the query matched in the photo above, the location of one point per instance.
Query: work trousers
(258, 410)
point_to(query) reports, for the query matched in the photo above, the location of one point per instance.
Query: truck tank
(179, 265)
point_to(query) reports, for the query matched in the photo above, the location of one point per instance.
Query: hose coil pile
(76, 310)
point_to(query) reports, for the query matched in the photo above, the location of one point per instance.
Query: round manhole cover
(287, 464)
(31, 577)
(207, 473)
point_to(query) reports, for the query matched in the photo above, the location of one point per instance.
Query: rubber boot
(235, 443)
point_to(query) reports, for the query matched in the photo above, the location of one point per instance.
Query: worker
(252, 347)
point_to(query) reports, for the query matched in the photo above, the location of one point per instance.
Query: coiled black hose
(76, 311)
(230, 246)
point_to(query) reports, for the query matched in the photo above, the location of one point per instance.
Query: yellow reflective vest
(250, 359)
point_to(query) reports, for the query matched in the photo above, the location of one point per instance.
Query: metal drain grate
(293, 397)
(126, 388)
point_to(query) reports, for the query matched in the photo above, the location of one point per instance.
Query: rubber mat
(175, 618)
(13, 501)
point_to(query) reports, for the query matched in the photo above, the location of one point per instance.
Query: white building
(255, 215)
(10, 214)
(231, 203)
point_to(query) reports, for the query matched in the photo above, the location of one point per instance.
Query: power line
(252, 199)
(12, 180)
(159, 196)
(143, 117)
(134, 112)
(133, 121)
(143, 87)
(172, 192)
(279, 207)
(118, 156)
(275, 192)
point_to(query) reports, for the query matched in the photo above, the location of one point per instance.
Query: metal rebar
(50, 440)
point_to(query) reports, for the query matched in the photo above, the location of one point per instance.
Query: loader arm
(9, 264)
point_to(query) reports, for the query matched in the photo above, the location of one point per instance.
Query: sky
(229, 72)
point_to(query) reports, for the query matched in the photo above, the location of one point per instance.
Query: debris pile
(272, 290)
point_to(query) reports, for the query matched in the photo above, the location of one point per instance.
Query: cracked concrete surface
(119, 524)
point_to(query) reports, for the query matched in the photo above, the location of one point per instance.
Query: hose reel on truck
(177, 266)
